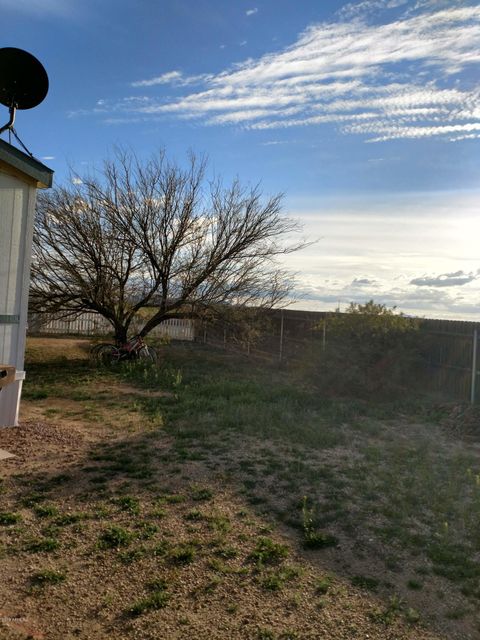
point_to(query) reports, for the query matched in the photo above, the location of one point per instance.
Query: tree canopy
(150, 233)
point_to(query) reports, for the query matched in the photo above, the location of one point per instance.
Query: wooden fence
(451, 351)
(92, 324)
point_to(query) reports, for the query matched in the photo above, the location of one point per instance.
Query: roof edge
(26, 164)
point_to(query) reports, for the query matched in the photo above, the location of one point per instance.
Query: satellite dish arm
(10, 123)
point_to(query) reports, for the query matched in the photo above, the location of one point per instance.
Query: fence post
(280, 354)
(474, 366)
(324, 337)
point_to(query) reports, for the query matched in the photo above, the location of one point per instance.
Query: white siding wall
(17, 208)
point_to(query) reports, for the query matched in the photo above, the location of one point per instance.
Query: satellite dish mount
(23, 82)
(11, 122)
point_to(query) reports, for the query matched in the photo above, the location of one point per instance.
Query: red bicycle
(134, 349)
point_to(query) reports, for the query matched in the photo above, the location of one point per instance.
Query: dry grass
(178, 514)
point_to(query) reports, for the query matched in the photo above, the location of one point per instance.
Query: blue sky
(365, 114)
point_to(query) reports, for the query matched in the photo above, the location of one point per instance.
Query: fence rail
(93, 324)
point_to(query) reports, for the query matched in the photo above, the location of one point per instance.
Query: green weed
(45, 510)
(8, 518)
(323, 585)
(412, 616)
(268, 552)
(47, 576)
(40, 545)
(313, 539)
(146, 530)
(414, 585)
(195, 515)
(276, 580)
(365, 582)
(129, 503)
(33, 499)
(115, 536)
(226, 552)
(266, 634)
(158, 599)
(220, 523)
(388, 614)
(182, 553)
(201, 494)
(132, 555)
(66, 519)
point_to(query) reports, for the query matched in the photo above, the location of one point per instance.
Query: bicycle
(134, 349)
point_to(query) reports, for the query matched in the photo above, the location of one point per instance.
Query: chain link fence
(448, 349)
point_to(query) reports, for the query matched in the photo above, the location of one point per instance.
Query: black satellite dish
(23, 81)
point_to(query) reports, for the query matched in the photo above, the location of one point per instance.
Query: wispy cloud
(251, 12)
(399, 79)
(171, 77)
(366, 7)
(41, 8)
(165, 78)
(273, 143)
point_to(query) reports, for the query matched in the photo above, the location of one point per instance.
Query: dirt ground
(107, 533)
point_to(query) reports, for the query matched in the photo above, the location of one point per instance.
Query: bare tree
(152, 233)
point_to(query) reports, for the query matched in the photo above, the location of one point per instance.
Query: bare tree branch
(152, 233)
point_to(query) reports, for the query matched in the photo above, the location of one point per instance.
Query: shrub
(371, 351)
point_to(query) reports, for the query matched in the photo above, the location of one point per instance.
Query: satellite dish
(23, 81)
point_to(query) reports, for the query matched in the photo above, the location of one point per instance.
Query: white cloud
(470, 136)
(251, 12)
(165, 78)
(375, 247)
(77, 180)
(366, 7)
(172, 77)
(384, 80)
(362, 282)
(48, 158)
(397, 131)
(429, 303)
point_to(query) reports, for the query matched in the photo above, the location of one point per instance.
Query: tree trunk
(120, 334)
